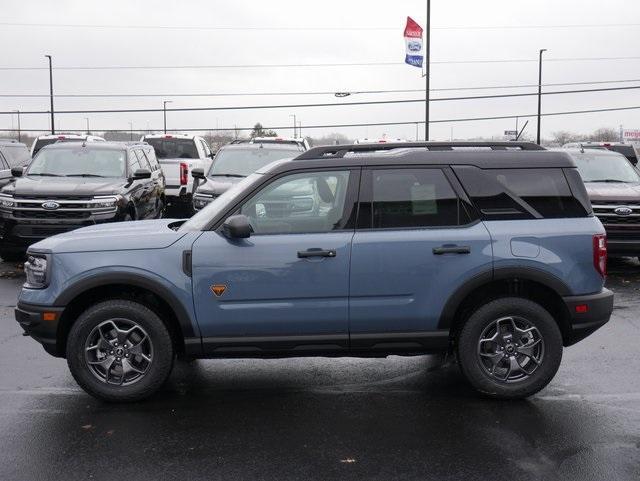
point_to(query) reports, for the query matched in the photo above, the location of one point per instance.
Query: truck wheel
(119, 351)
(510, 348)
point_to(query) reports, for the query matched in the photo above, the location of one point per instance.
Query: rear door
(417, 241)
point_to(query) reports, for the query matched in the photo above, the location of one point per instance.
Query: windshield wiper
(228, 175)
(47, 175)
(83, 175)
(608, 180)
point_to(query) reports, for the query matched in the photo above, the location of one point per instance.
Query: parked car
(179, 154)
(506, 229)
(630, 151)
(613, 185)
(302, 143)
(43, 140)
(231, 164)
(12, 154)
(72, 185)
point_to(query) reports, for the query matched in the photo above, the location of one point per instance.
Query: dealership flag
(413, 41)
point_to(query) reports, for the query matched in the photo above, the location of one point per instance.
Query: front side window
(411, 198)
(79, 162)
(300, 203)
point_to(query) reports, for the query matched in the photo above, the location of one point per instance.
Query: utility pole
(164, 112)
(53, 128)
(539, 92)
(294, 124)
(130, 130)
(88, 131)
(19, 136)
(427, 70)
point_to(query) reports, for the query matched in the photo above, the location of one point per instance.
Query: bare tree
(605, 134)
(563, 137)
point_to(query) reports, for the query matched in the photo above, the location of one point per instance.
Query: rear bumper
(31, 319)
(586, 320)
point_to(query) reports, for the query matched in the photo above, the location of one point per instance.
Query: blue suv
(489, 251)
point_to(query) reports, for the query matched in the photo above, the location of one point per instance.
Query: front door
(285, 287)
(415, 244)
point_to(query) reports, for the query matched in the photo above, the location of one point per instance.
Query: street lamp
(18, 112)
(53, 129)
(164, 111)
(295, 124)
(539, 92)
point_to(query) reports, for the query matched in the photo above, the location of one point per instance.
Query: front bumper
(32, 320)
(587, 314)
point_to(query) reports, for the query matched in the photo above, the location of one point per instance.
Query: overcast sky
(316, 32)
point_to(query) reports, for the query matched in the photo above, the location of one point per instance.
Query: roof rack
(339, 151)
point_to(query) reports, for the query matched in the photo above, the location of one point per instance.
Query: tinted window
(174, 148)
(299, 203)
(520, 193)
(412, 198)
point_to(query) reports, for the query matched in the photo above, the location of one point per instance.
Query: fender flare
(524, 273)
(136, 280)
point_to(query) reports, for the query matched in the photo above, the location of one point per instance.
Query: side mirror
(17, 171)
(237, 227)
(198, 173)
(142, 174)
(212, 155)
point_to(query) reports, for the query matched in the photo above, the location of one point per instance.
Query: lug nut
(110, 352)
(117, 358)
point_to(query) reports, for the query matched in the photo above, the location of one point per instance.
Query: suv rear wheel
(119, 351)
(510, 348)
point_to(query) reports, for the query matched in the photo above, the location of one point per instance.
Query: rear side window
(134, 163)
(520, 193)
(409, 198)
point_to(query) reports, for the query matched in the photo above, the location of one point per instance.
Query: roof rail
(341, 150)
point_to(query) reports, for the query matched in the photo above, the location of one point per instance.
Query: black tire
(158, 369)
(12, 255)
(471, 363)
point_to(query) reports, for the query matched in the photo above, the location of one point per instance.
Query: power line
(323, 104)
(325, 92)
(305, 65)
(368, 124)
(226, 28)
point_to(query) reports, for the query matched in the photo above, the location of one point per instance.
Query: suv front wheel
(120, 351)
(510, 348)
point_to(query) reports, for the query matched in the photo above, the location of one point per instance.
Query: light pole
(53, 129)
(300, 128)
(19, 137)
(294, 124)
(539, 92)
(131, 130)
(164, 111)
(427, 71)
(88, 131)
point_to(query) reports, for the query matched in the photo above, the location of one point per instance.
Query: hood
(63, 186)
(141, 234)
(613, 191)
(217, 185)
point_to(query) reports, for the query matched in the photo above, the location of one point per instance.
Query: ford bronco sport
(490, 251)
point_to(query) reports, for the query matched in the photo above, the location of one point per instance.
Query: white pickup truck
(178, 155)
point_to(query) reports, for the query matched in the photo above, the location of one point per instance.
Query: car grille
(47, 214)
(606, 212)
(69, 209)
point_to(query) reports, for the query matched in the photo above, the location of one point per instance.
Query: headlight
(104, 202)
(36, 271)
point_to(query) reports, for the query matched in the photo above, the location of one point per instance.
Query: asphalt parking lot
(395, 418)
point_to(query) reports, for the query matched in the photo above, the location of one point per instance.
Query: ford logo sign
(623, 211)
(50, 205)
(414, 46)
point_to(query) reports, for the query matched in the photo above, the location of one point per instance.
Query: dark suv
(70, 185)
(491, 252)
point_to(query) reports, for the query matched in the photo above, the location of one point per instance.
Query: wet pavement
(380, 419)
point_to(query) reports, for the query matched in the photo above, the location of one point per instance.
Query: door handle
(438, 251)
(316, 253)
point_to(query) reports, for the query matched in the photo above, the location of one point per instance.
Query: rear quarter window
(522, 193)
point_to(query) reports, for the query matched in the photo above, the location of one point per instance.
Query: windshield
(200, 220)
(79, 161)
(242, 162)
(605, 168)
(174, 148)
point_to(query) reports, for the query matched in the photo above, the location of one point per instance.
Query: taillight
(600, 253)
(184, 173)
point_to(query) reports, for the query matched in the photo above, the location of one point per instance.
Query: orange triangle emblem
(218, 289)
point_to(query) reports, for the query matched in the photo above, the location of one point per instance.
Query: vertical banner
(413, 42)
